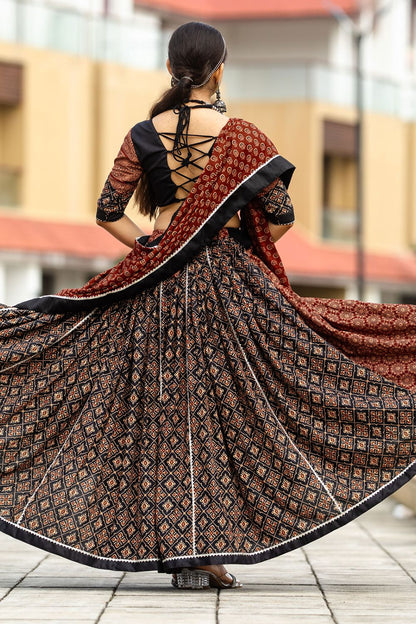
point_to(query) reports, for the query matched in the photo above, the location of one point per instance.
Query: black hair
(196, 50)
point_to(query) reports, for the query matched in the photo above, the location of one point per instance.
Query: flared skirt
(202, 421)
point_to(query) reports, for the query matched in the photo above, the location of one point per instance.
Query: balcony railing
(134, 41)
(320, 82)
(138, 41)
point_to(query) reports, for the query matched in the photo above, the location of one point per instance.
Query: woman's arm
(124, 230)
(117, 191)
(277, 208)
(277, 231)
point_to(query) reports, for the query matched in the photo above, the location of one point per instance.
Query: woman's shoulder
(144, 125)
(248, 132)
(249, 127)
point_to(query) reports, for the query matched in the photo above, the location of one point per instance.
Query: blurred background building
(75, 75)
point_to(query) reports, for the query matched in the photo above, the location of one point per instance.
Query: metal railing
(321, 82)
(138, 41)
(135, 41)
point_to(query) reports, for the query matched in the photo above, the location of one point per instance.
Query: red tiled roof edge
(73, 239)
(246, 9)
(299, 255)
(328, 260)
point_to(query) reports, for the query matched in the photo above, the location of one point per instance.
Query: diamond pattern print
(204, 420)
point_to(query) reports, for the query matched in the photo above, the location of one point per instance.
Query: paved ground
(364, 573)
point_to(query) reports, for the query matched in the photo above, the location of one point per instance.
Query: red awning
(72, 239)
(300, 256)
(246, 9)
(328, 260)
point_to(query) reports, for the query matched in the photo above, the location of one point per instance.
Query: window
(413, 22)
(10, 134)
(339, 182)
(407, 298)
(10, 179)
(48, 282)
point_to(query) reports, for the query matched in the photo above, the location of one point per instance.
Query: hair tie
(175, 80)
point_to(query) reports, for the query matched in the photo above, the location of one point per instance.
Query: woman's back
(188, 157)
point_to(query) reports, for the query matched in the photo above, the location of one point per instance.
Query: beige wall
(76, 112)
(411, 176)
(56, 155)
(389, 162)
(124, 97)
(66, 134)
(386, 183)
(291, 127)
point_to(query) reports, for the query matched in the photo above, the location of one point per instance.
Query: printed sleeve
(120, 184)
(276, 204)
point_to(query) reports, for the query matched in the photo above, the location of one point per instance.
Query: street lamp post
(359, 99)
(359, 35)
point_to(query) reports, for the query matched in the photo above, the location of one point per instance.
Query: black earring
(219, 104)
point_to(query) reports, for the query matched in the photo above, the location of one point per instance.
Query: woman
(186, 409)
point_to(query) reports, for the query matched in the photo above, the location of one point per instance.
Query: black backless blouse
(143, 151)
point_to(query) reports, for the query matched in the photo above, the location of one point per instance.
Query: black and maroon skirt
(201, 421)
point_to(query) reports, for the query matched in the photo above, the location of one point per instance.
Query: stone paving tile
(187, 600)
(276, 618)
(8, 620)
(64, 598)
(139, 580)
(54, 613)
(3, 592)
(365, 577)
(378, 619)
(359, 570)
(158, 616)
(65, 582)
(8, 579)
(54, 565)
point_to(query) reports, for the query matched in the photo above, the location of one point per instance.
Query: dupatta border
(277, 166)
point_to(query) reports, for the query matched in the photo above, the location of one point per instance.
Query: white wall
(315, 59)
(277, 40)
(2, 284)
(92, 7)
(21, 282)
(386, 50)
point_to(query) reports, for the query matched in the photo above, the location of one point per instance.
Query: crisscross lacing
(187, 154)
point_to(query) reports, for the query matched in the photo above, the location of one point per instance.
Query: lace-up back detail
(173, 161)
(188, 161)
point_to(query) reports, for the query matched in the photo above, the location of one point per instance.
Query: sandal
(196, 578)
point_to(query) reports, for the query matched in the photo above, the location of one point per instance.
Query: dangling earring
(219, 104)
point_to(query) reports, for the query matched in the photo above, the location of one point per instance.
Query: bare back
(204, 126)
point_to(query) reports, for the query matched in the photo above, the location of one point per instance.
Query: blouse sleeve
(276, 204)
(120, 184)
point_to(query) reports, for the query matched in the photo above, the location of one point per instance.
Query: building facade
(76, 75)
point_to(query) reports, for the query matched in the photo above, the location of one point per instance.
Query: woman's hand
(124, 230)
(277, 231)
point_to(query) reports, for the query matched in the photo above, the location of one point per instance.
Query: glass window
(10, 187)
(339, 182)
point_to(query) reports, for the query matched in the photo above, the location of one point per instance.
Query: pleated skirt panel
(202, 421)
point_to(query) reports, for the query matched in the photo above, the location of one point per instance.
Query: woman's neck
(202, 94)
